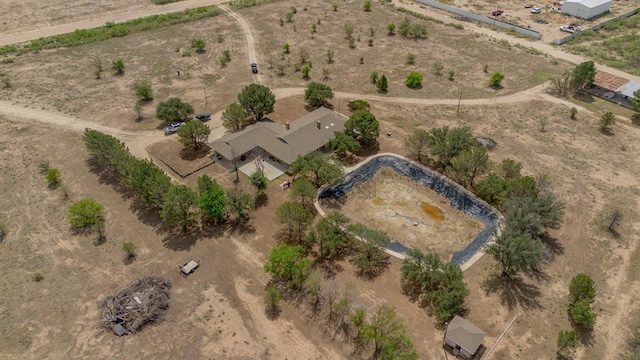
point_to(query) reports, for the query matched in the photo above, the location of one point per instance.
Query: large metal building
(586, 9)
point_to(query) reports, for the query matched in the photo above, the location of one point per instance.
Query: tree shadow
(606, 131)
(513, 292)
(109, 177)
(583, 97)
(262, 199)
(367, 151)
(129, 259)
(496, 87)
(181, 241)
(586, 336)
(190, 154)
(551, 247)
(148, 215)
(241, 227)
(272, 312)
(635, 119)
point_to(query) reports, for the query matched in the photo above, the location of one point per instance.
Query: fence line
(484, 19)
(595, 27)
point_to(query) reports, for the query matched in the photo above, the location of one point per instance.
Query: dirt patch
(179, 159)
(411, 214)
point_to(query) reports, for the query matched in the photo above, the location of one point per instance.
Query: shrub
(117, 66)
(37, 277)
(143, 90)
(496, 79)
(414, 80)
(411, 59)
(374, 77)
(199, 45)
(358, 105)
(53, 177)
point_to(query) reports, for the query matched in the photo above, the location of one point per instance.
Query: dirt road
(246, 29)
(152, 9)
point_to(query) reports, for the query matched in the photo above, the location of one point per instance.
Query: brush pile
(144, 301)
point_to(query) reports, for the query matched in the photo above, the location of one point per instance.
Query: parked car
(569, 29)
(173, 127)
(536, 10)
(542, 21)
(254, 68)
(528, 6)
(497, 12)
(203, 117)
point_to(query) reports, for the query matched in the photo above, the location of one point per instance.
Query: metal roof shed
(464, 336)
(628, 89)
(586, 9)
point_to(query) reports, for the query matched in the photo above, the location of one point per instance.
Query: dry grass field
(218, 311)
(461, 51)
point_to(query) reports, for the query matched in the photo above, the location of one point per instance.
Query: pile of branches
(121, 308)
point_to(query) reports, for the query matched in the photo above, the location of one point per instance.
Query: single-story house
(586, 9)
(463, 337)
(613, 88)
(283, 143)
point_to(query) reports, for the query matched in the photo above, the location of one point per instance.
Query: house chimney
(318, 125)
(287, 126)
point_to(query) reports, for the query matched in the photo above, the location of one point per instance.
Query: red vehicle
(497, 12)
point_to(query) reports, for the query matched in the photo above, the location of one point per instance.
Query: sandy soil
(412, 214)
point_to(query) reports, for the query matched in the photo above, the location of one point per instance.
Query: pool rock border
(459, 198)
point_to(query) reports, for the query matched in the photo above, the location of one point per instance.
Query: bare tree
(614, 218)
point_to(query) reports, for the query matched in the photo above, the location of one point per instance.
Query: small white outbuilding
(586, 9)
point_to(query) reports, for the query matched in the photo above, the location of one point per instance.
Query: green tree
(493, 189)
(532, 215)
(388, 334)
(117, 66)
(583, 75)
(129, 249)
(53, 177)
(635, 100)
(391, 28)
(447, 143)
(143, 89)
(173, 110)
(234, 117)
(320, 167)
(369, 257)
(582, 288)
(258, 180)
(317, 94)
(295, 220)
(304, 70)
(374, 79)
(288, 265)
(272, 297)
(470, 164)
(179, 206)
(257, 100)
(213, 199)
(414, 80)
(343, 144)
(199, 45)
(149, 181)
(496, 79)
(509, 169)
(367, 5)
(574, 112)
(607, 120)
(86, 213)
(193, 134)
(566, 339)
(416, 145)
(515, 251)
(329, 235)
(303, 192)
(106, 150)
(582, 314)
(238, 205)
(382, 84)
(363, 126)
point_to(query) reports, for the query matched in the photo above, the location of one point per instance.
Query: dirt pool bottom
(416, 206)
(411, 214)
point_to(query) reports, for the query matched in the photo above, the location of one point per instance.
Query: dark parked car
(497, 12)
(173, 127)
(254, 68)
(203, 117)
(542, 21)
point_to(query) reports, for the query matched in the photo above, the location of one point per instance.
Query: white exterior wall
(584, 12)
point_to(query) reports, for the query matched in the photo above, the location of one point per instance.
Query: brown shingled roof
(609, 81)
